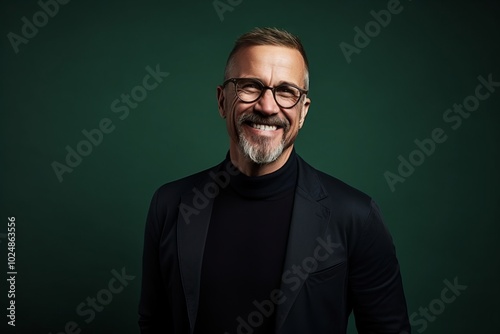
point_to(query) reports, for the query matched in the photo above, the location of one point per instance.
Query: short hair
(268, 36)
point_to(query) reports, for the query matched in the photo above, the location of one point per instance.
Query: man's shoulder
(335, 193)
(180, 186)
(341, 189)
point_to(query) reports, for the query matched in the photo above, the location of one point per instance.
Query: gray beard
(261, 153)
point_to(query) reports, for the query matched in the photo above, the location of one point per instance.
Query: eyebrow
(282, 82)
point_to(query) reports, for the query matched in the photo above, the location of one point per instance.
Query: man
(263, 242)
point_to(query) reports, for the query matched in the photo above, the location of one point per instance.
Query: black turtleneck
(245, 252)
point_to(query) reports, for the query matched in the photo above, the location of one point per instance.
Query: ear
(220, 101)
(305, 109)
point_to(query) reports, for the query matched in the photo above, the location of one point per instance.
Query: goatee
(261, 150)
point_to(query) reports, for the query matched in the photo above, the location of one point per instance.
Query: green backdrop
(367, 109)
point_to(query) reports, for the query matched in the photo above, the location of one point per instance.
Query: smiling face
(261, 132)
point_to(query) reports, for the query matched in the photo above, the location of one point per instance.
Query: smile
(263, 127)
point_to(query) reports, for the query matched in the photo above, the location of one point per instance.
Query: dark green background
(363, 115)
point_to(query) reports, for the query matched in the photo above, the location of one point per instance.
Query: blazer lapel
(309, 221)
(191, 237)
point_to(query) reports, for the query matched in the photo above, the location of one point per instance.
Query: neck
(250, 168)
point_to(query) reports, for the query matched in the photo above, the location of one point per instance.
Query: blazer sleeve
(375, 285)
(154, 316)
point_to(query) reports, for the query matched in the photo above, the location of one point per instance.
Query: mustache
(271, 120)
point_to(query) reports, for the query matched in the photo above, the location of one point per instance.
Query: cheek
(293, 117)
(235, 110)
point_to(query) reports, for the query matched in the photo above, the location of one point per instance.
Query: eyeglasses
(250, 90)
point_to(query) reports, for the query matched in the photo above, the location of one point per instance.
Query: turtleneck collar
(269, 186)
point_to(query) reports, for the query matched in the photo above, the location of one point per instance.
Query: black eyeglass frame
(264, 88)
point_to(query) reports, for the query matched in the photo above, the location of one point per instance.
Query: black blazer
(336, 234)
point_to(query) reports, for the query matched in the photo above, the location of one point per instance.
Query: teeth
(264, 127)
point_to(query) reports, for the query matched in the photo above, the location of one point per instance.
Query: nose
(267, 104)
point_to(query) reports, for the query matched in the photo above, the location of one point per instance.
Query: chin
(261, 153)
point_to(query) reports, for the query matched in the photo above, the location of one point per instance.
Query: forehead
(269, 63)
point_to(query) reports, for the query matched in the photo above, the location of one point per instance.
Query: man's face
(262, 130)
